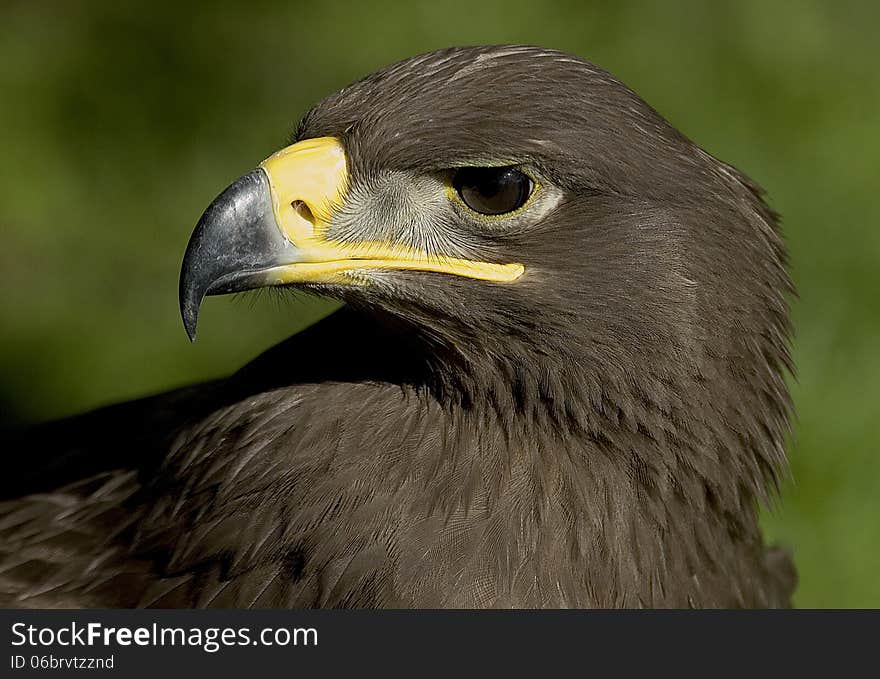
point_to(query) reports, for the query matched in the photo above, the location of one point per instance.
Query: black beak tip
(189, 312)
(190, 328)
(191, 293)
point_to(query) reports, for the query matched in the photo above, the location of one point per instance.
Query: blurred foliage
(119, 122)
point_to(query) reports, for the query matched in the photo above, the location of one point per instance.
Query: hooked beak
(232, 246)
(271, 226)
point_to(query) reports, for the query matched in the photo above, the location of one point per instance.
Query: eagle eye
(492, 190)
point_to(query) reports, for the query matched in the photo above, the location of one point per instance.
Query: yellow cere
(308, 181)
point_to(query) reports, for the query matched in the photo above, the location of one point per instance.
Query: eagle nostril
(302, 210)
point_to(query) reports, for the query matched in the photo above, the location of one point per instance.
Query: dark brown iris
(492, 190)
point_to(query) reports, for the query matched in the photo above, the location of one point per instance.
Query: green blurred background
(119, 122)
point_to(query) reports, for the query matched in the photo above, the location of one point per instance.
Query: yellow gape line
(308, 181)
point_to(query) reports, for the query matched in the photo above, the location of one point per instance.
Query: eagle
(557, 378)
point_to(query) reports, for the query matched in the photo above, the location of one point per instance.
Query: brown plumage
(598, 433)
